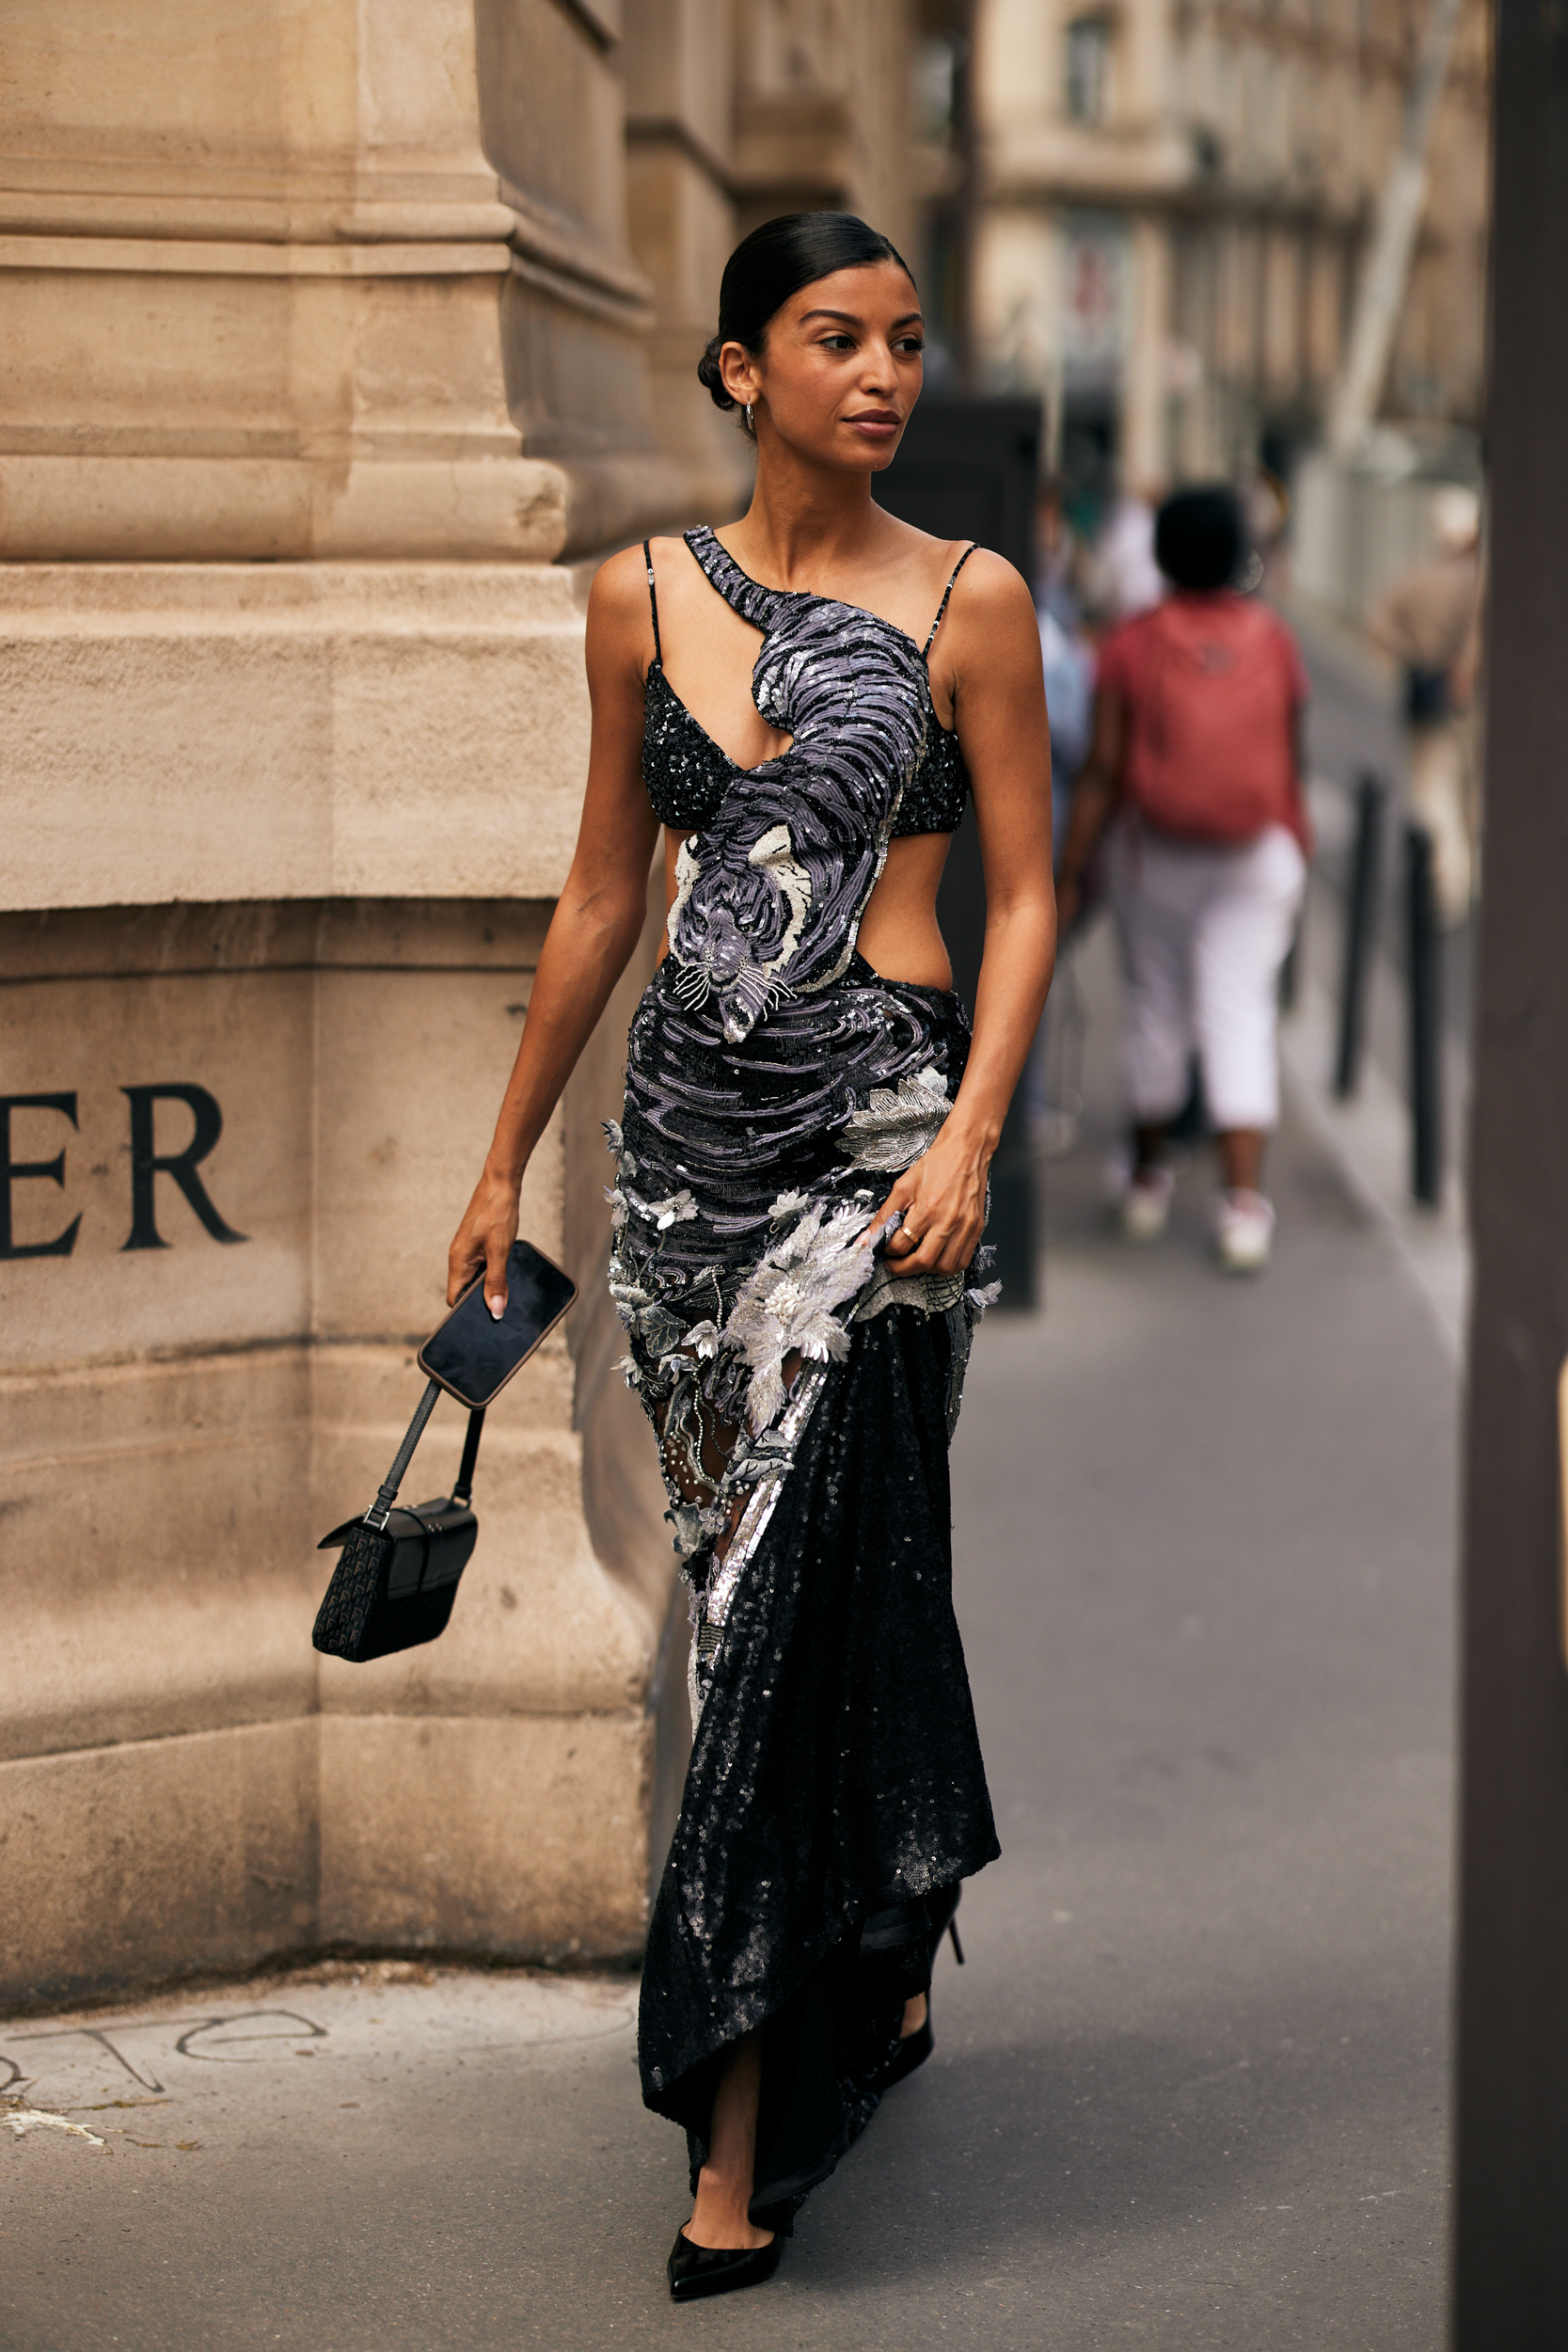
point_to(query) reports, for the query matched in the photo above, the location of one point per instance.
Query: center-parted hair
(773, 264)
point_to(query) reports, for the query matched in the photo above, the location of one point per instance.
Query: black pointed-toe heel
(913, 2049)
(944, 1915)
(696, 2270)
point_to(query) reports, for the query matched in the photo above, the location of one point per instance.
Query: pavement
(1189, 2091)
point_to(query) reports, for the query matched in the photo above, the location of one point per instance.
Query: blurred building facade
(1172, 200)
(335, 340)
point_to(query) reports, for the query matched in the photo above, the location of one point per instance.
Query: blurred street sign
(1097, 301)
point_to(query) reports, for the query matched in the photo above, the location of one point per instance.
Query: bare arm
(1095, 793)
(596, 923)
(999, 711)
(1388, 622)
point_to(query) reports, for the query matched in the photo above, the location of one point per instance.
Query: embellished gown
(802, 1396)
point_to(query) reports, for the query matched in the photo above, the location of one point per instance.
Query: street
(1189, 2091)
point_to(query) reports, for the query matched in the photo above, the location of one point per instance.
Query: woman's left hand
(942, 1201)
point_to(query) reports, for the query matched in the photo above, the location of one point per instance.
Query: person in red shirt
(1195, 770)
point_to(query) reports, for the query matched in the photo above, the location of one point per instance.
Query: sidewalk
(1368, 1137)
(1189, 2091)
(1352, 728)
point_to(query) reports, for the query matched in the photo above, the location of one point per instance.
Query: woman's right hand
(483, 1241)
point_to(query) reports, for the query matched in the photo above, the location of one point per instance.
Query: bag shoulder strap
(387, 1494)
(463, 1490)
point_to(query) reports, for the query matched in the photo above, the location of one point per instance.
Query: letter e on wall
(49, 1171)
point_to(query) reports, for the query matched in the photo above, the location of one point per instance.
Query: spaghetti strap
(945, 594)
(653, 600)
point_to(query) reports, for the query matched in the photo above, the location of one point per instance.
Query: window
(936, 66)
(1088, 68)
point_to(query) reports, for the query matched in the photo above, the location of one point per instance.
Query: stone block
(158, 1573)
(525, 1837)
(234, 732)
(336, 287)
(121, 1864)
(182, 1419)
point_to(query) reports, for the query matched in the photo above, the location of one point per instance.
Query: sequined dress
(803, 1396)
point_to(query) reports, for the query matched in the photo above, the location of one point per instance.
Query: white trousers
(1204, 933)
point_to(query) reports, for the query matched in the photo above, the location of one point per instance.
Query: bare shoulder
(620, 589)
(991, 592)
(620, 625)
(992, 631)
(983, 583)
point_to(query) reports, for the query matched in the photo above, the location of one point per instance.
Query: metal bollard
(1424, 948)
(1360, 930)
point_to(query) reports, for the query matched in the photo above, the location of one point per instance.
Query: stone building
(336, 340)
(1174, 197)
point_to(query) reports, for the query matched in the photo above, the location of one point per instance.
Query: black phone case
(478, 1402)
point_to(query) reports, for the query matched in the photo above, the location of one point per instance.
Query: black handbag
(396, 1577)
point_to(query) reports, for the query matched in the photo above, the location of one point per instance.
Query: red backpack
(1212, 685)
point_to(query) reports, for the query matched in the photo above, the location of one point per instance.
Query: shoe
(943, 1919)
(1146, 1203)
(1244, 1231)
(696, 2270)
(913, 2049)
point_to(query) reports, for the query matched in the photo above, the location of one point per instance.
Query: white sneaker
(1243, 1230)
(1145, 1204)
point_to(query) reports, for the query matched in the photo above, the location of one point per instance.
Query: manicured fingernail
(497, 1307)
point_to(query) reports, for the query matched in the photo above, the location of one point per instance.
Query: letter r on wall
(147, 1163)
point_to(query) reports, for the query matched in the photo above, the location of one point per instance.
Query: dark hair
(773, 264)
(1198, 536)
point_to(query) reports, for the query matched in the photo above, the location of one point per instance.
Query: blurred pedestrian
(1058, 557)
(1195, 757)
(1068, 662)
(1124, 572)
(1428, 620)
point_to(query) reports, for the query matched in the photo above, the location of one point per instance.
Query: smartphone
(473, 1355)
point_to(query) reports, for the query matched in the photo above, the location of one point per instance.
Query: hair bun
(708, 373)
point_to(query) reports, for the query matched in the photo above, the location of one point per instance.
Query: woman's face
(841, 368)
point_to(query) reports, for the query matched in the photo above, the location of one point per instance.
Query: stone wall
(208, 1364)
(334, 340)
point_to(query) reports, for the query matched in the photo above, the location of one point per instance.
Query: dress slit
(796, 1827)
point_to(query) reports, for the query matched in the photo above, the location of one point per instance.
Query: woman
(801, 1188)
(1196, 754)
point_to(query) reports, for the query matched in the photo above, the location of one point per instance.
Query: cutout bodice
(781, 859)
